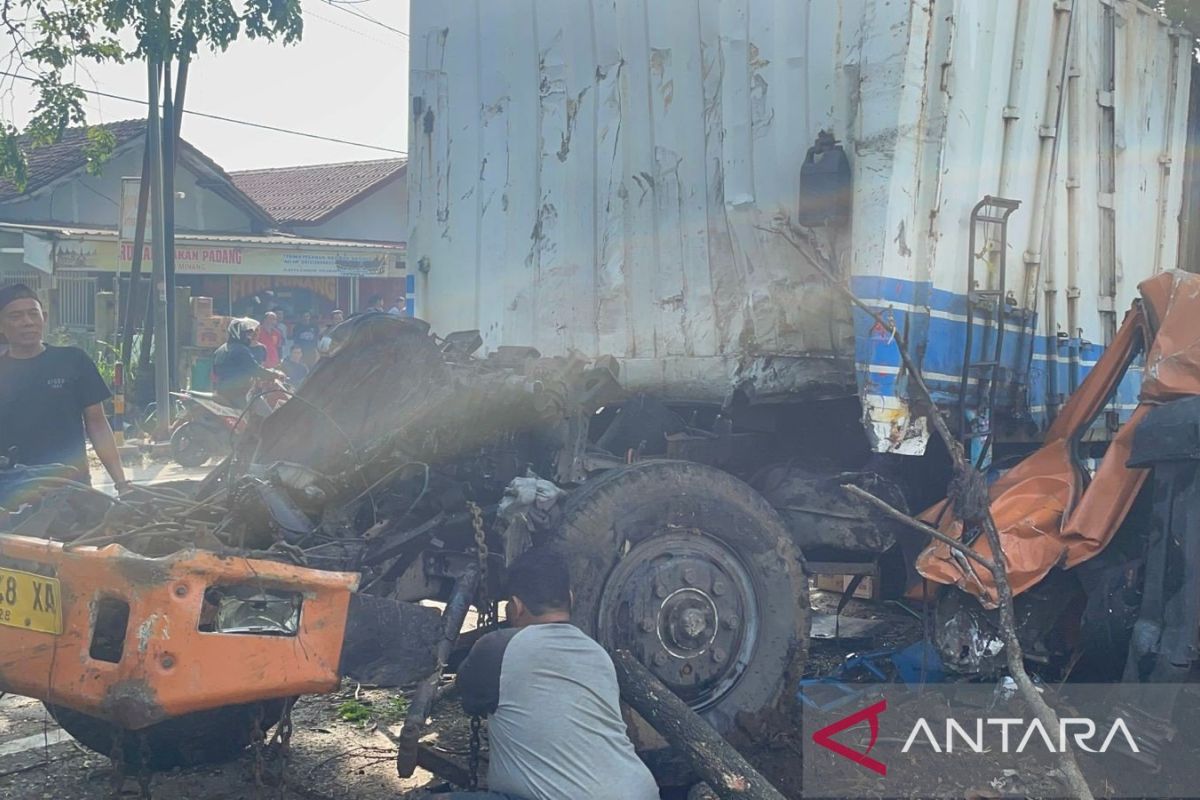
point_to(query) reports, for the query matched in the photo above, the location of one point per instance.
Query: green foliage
(103, 354)
(353, 711)
(395, 709)
(391, 711)
(49, 41)
(100, 144)
(1182, 12)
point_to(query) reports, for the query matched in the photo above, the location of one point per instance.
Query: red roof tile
(316, 192)
(53, 161)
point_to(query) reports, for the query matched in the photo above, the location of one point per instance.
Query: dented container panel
(606, 177)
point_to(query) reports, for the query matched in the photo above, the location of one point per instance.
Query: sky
(346, 79)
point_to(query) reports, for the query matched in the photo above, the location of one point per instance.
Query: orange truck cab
(137, 640)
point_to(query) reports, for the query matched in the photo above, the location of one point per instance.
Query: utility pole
(162, 350)
(135, 271)
(169, 142)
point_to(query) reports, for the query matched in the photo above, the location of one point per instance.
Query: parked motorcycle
(208, 427)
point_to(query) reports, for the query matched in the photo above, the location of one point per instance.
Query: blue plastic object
(919, 663)
(915, 665)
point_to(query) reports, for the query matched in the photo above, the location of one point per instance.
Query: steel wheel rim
(685, 605)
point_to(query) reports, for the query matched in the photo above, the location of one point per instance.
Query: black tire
(190, 445)
(634, 533)
(204, 737)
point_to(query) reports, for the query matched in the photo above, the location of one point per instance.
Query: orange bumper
(168, 666)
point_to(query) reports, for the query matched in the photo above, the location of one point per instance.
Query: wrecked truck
(406, 469)
(653, 369)
(175, 628)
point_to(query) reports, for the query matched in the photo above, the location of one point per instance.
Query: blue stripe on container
(938, 346)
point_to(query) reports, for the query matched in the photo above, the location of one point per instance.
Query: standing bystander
(271, 337)
(305, 335)
(50, 397)
(294, 367)
(336, 318)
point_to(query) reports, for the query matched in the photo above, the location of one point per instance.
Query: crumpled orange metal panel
(1172, 370)
(1043, 513)
(168, 666)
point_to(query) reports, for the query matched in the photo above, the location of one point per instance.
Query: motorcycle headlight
(251, 610)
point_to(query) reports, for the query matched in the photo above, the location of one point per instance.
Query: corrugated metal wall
(1189, 215)
(598, 174)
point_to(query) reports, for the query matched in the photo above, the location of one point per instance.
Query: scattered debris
(831, 626)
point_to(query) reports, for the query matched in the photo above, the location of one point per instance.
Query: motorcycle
(208, 427)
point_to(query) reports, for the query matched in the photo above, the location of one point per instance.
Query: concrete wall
(381, 216)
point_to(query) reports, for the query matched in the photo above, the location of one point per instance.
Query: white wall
(381, 216)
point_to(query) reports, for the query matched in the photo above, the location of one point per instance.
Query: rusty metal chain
(487, 618)
(282, 742)
(485, 605)
(144, 775)
(256, 742)
(117, 757)
(119, 765)
(473, 762)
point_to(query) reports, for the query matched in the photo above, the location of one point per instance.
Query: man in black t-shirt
(50, 396)
(306, 334)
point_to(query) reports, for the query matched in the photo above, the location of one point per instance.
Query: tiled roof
(186, 237)
(314, 193)
(53, 161)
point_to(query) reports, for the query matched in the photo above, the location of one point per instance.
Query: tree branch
(918, 525)
(1008, 628)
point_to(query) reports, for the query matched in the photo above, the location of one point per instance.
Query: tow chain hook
(119, 774)
(280, 744)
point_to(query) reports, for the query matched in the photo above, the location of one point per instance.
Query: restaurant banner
(221, 258)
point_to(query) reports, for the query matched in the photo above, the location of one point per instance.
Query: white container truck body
(608, 177)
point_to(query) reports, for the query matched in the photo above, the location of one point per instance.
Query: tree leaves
(50, 39)
(1183, 12)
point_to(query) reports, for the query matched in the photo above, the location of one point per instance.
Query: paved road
(146, 472)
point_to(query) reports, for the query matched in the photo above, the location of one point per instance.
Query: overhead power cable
(231, 120)
(367, 17)
(363, 34)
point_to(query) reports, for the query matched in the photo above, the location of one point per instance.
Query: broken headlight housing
(253, 610)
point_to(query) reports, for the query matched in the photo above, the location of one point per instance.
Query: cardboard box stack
(202, 307)
(208, 330)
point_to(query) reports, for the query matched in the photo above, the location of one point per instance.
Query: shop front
(240, 272)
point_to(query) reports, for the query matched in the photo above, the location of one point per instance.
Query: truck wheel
(189, 445)
(204, 737)
(693, 572)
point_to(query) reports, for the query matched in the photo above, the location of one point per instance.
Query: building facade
(69, 232)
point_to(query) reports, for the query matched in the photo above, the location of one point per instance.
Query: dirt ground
(334, 755)
(331, 759)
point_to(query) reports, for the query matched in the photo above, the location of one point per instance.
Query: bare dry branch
(917, 525)
(1008, 629)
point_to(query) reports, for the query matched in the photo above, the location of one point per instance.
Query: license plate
(32, 602)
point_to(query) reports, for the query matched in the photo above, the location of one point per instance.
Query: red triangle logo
(824, 737)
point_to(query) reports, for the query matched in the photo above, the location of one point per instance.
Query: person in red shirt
(271, 337)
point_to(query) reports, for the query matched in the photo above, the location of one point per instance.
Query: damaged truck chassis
(408, 470)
